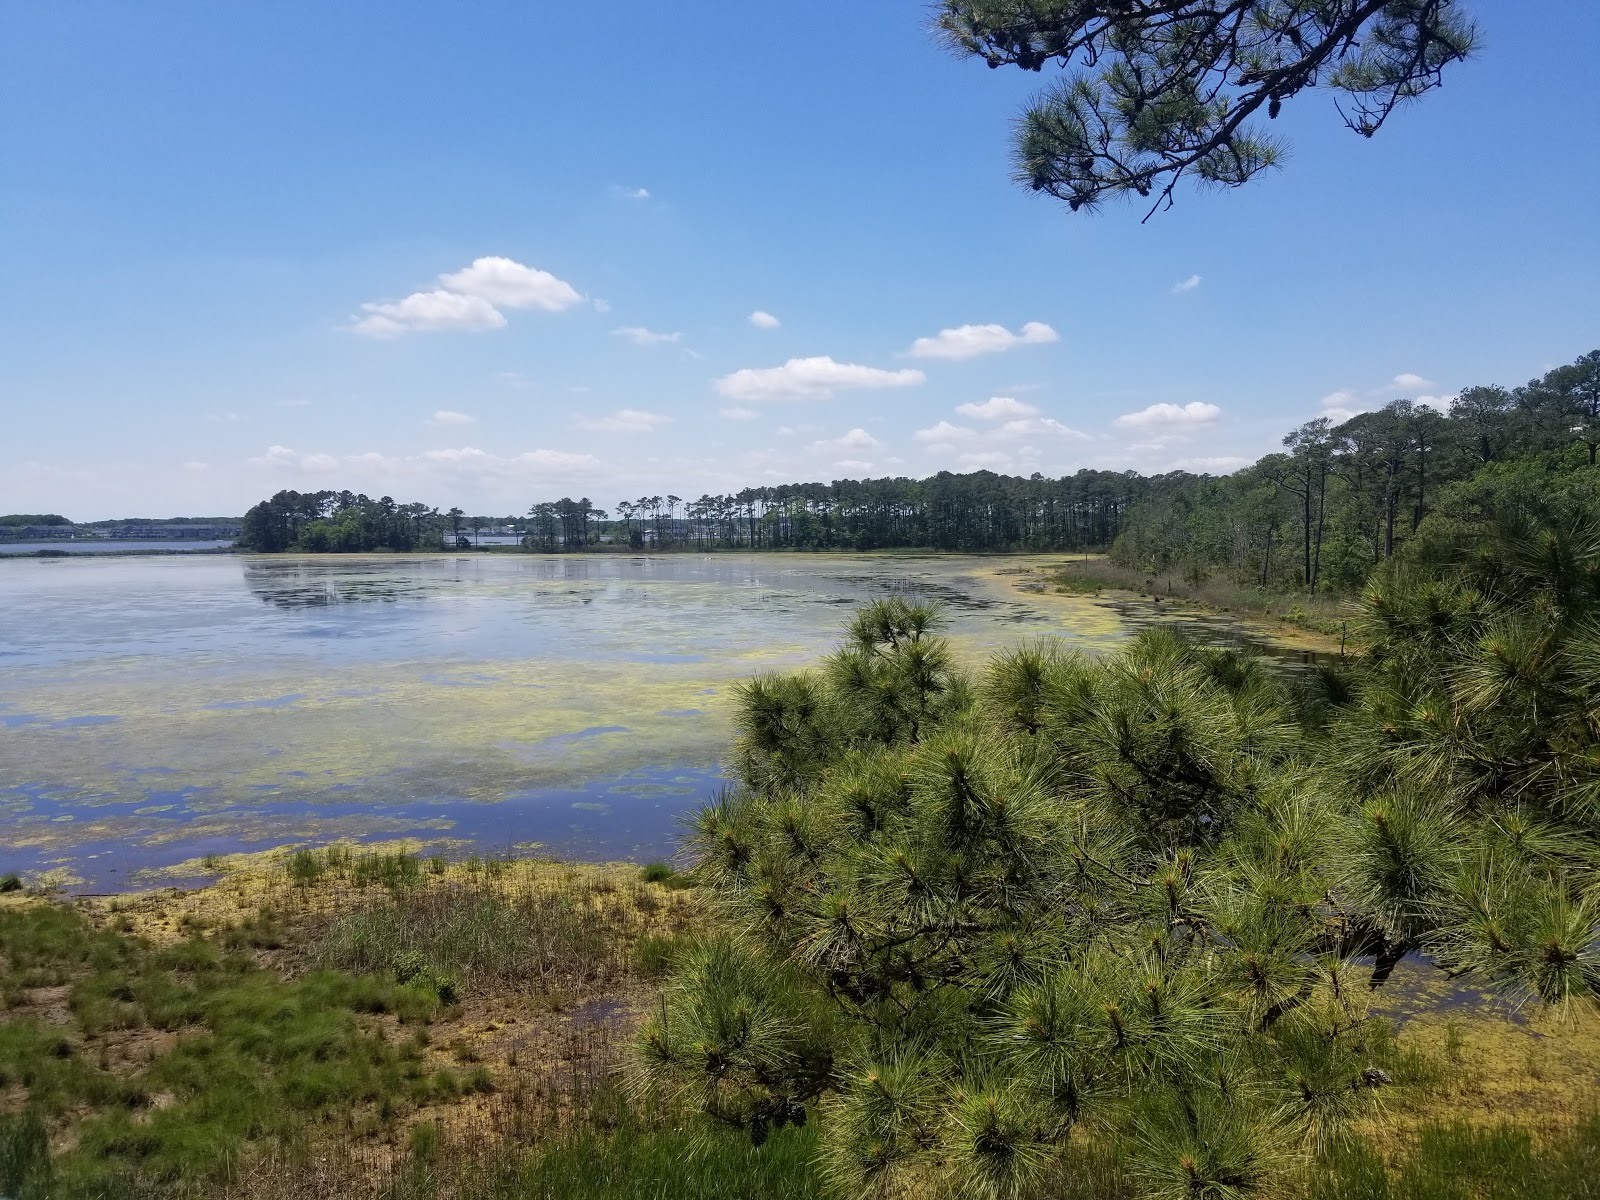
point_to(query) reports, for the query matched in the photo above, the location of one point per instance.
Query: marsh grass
(1457, 1161)
(490, 933)
(1322, 613)
(200, 1053)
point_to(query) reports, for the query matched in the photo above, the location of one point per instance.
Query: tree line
(980, 511)
(1341, 498)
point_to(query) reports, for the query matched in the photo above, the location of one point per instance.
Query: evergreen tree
(1161, 89)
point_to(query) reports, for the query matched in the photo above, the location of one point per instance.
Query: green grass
(1458, 1162)
(241, 1056)
(628, 1162)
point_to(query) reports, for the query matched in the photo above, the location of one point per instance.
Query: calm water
(154, 710)
(109, 546)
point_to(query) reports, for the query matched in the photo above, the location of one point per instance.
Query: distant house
(162, 531)
(33, 533)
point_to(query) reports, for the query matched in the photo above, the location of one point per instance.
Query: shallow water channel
(157, 710)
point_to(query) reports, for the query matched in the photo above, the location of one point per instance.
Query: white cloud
(738, 414)
(1408, 381)
(469, 299)
(944, 433)
(626, 420)
(1170, 416)
(810, 379)
(1341, 405)
(1222, 463)
(763, 320)
(853, 464)
(427, 312)
(969, 341)
(196, 466)
(634, 193)
(601, 306)
(640, 336)
(509, 284)
(1029, 427)
(855, 439)
(1186, 285)
(997, 408)
(447, 416)
(226, 418)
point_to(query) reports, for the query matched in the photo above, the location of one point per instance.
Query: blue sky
(495, 253)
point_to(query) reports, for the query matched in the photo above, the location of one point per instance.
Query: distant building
(33, 533)
(160, 531)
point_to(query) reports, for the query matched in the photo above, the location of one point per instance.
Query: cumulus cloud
(634, 193)
(1408, 381)
(763, 320)
(1341, 405)
(1170, 416)
(508, 284)
(810, 379)
(997, 408)
(446, 416)
(855, 439)
(944, 433)
(738, 414)
(469, 300)
(1008, 446)
(640, 336)
(1186, 285)
(1034, 427)
(969, 341)
(625, 420)
(426, 312)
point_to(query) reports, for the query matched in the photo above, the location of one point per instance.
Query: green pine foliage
(1143, 900)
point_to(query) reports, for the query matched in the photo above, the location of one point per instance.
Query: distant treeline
(1341, 498)
(977, 511)
(1316, 517)
(981, 511)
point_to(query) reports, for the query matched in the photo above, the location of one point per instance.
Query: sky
(491, 254)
